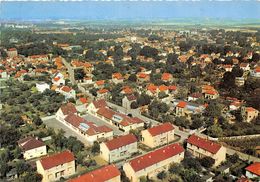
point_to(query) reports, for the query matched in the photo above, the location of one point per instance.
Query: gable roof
(163, 128)
(100, 103)
(30, 143)
(155, 156)
(57, 159)
(205, 144)
(99, 175)
(68, 108)
(182, 104)
(254, 168)
(120, 141)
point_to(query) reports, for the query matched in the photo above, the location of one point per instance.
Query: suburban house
(183, 108)
(142, 77)
(211, 94)
(153, 162)
(117, 78)
(58, 79)
(249, 113)
(122, 121)
(102, 93)
(128, 100)
(256, 72)
(88, 129)
(201, 147)
(108, 173)
(99, 84)
(94, 106)
(41, 87)
(67, 92)
(12, 52)
(53, 167)
(245, 66)
(32, 147)
(253, 170)
(65, 110)
(118, 148)
(167, 77)
(158, 135)
(195, 96)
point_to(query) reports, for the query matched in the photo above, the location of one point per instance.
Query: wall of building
(33, 153)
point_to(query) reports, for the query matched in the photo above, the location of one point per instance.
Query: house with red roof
(12, 52)
(32, 147)
(158, 135)
(201, 147)
(102, 93)
(58, 79)
(142, 77)
(65, 110)
(253, 171)
(153, 162)
(94, 106)
(249, 113)
(245, 66)
(167, 77)
(118, 148)
(108, 173)
(55, 166)
(255, 72)
(99, 84)
(117, 78)
(87, 129)
(67, 91)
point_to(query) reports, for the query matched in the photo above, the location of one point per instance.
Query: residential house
(67, 91)
(158, 135)
(122, 121)
(195, 96)
(153, 162)
(117, 78)
(65, 110)
(102, 93)
(109, 173)
(58, 79)
(41, 87)
(201, 147)
(118, 148)
(128, 100)
(99, 84)
(256, 72)
(53, 167)
(211, 94)
(94, 106)
(245, 66)
(12, 52)
(142, 77)
(167, 77)
(249, 113)
(88, 130)
(32, 148)
(253, 171)
(239, 81)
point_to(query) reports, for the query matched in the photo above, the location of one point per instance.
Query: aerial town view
(130, 91)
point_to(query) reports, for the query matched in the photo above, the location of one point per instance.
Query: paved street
(57, 125)
(100, 122)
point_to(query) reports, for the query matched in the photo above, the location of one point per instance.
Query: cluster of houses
(125, 148)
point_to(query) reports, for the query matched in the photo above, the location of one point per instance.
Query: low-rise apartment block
(118, 148)
(154, 162)
(201, 147)
(53, 167)
(158, 135)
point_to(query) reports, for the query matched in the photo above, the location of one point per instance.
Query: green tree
(95, 148)
(207, 162)
(162, 175)
(215, 131)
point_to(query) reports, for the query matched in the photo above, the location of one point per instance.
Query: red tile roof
(99, 175)
(181, 104)
(166, 76)
(250, 109)
(254, 168)
(30, 143)
(156, 156)
(105, 112)
(121, 141)
(57, 159)
(83, 100)
(66, 89)
(68, 108)
(163, 128)
(205, 144)
(75, 120)
(100, 103)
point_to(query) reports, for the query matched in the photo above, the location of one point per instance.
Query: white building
(41, 87)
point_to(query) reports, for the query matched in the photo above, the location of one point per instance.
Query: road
(70, 71)
(184, 135)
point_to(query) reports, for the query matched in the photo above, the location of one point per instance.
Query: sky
(128, 10)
